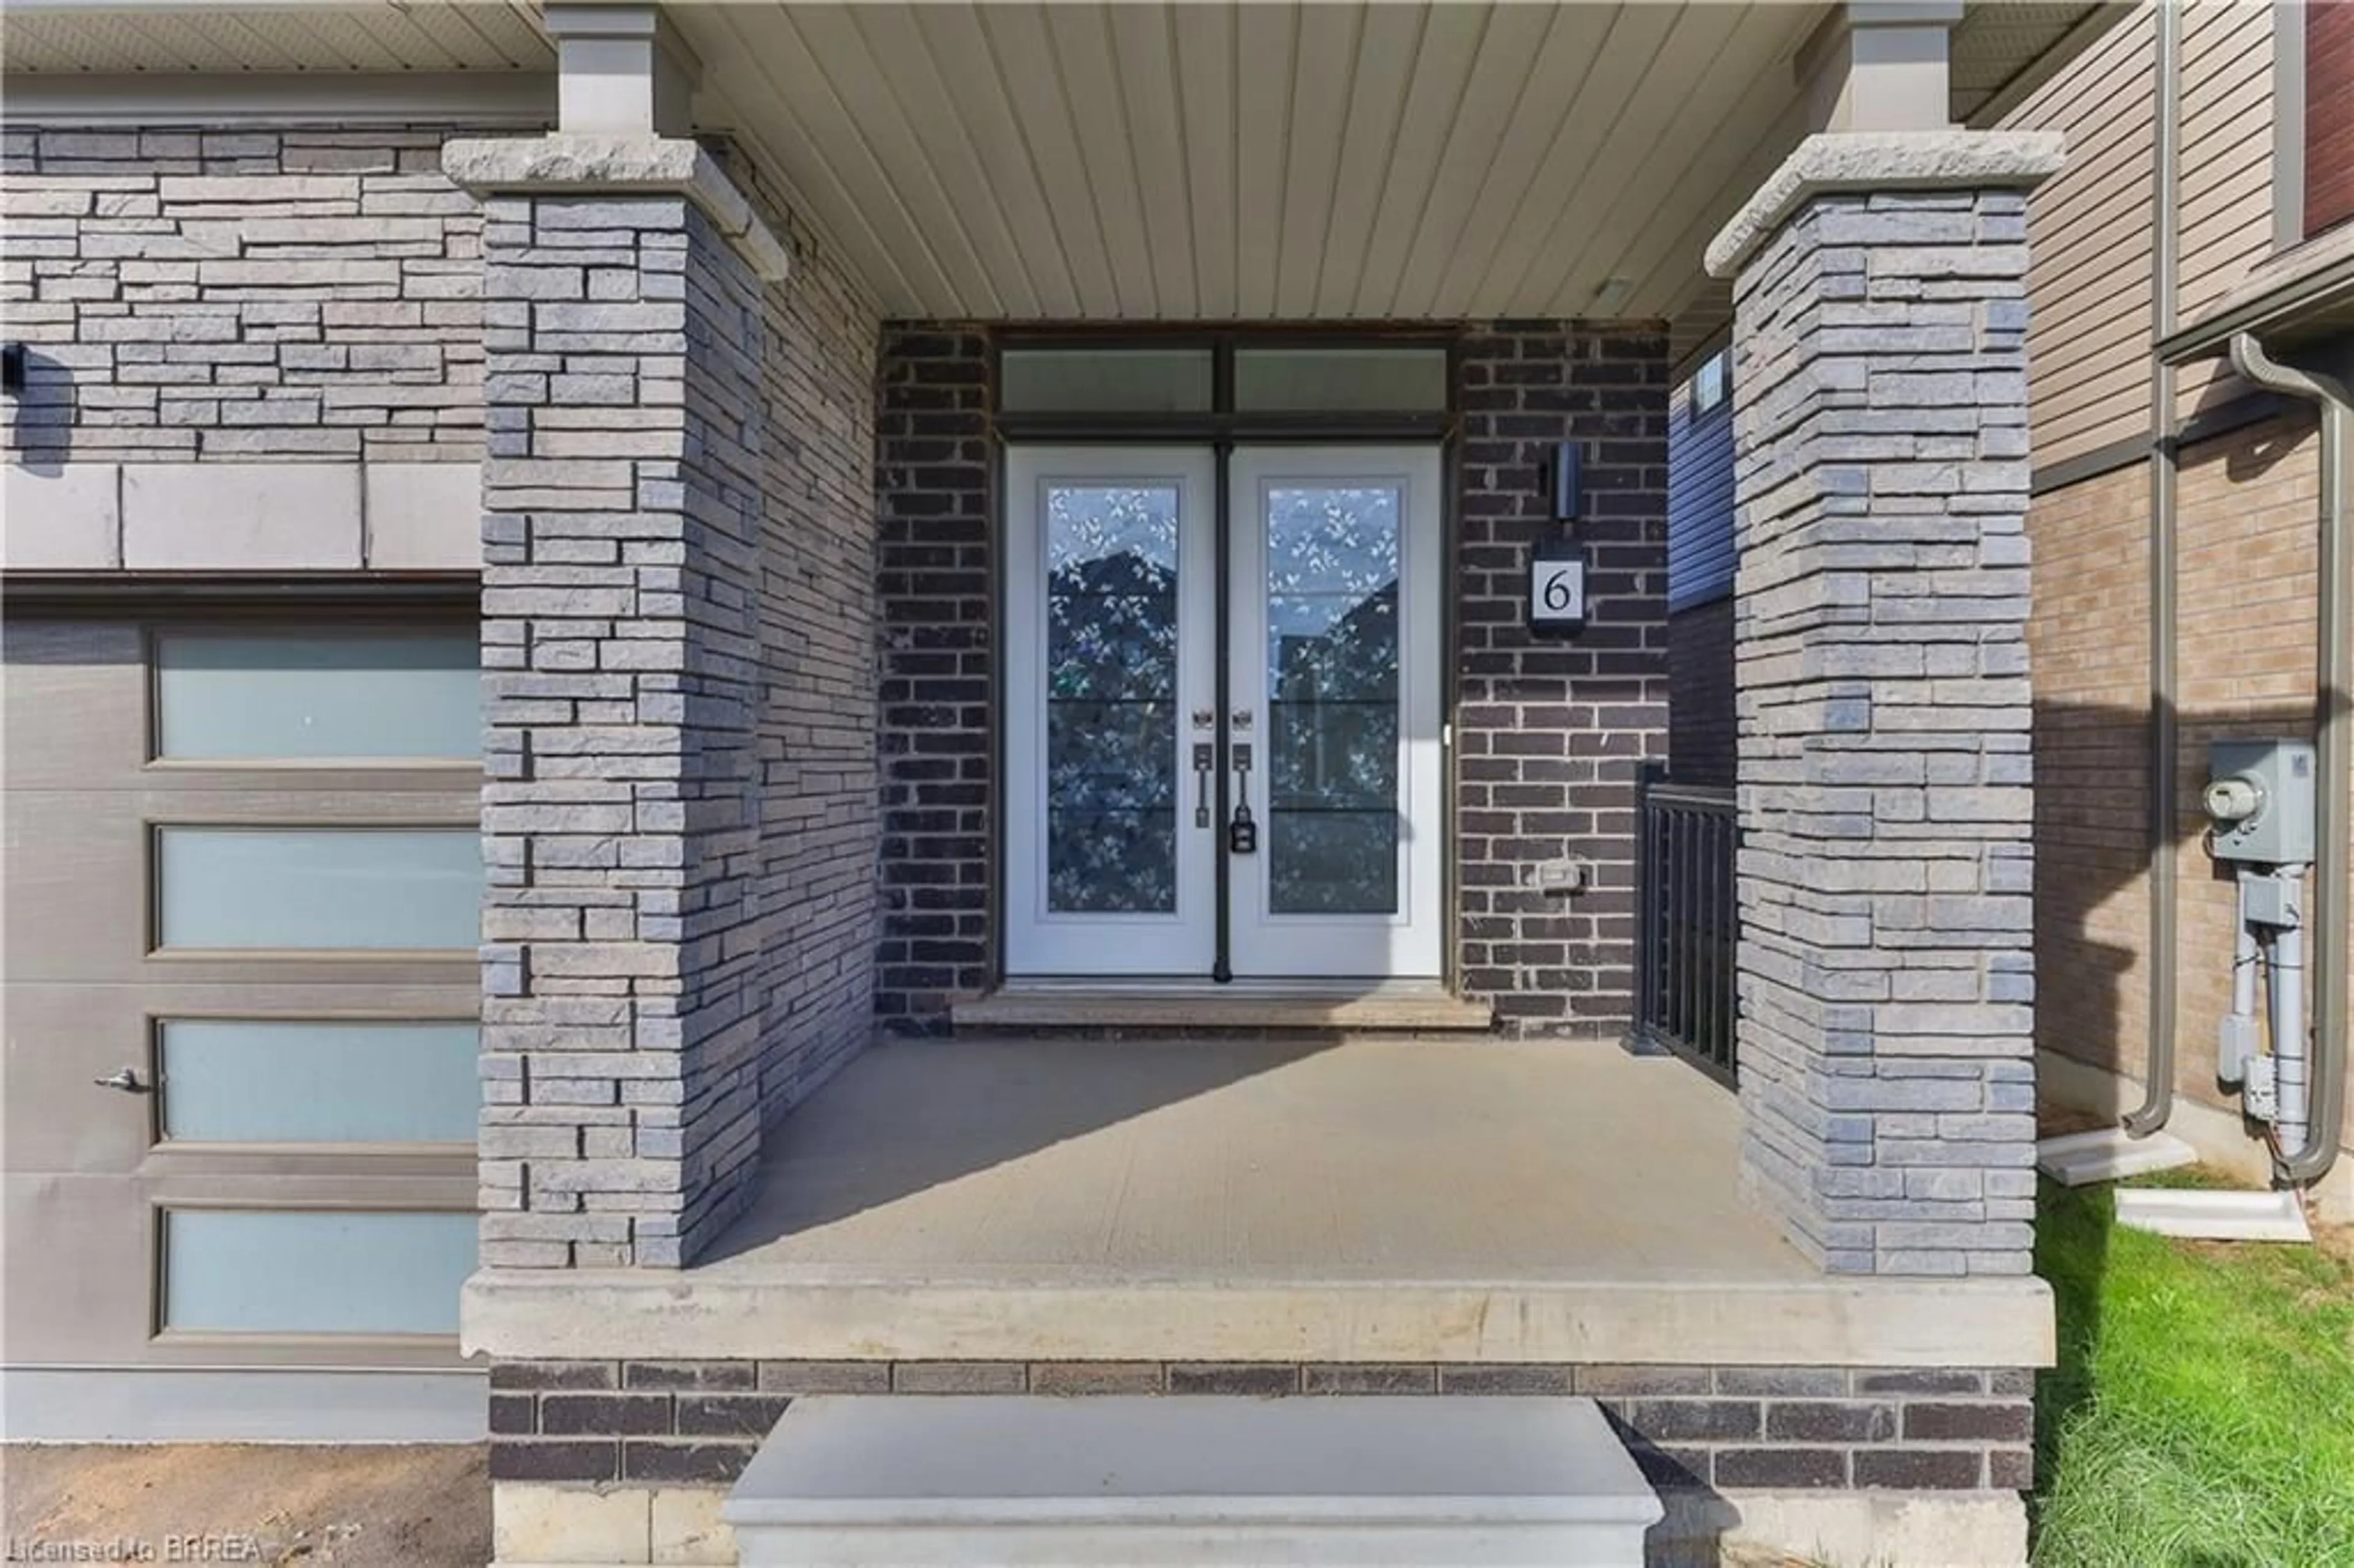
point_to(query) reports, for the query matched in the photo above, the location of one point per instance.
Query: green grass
(2202, 1412)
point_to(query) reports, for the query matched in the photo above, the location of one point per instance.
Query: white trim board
(474, 97)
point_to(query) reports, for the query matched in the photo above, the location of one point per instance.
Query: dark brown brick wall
(1702, 734)
(933, 474)
(1550, 732)
(698, 1423)
(2328, 114)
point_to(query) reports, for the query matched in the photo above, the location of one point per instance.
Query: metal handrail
(1687, 921)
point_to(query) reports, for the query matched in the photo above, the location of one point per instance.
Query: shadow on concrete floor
(417, 1506)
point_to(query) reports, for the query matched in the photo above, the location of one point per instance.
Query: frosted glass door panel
(314, 1271)
(243, 1080)
(228, 696)
(1335, 668)
(1110, 683)
(1111, 699)
(320, 888)
(1331, 601)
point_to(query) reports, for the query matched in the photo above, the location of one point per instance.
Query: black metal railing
(1686, 920)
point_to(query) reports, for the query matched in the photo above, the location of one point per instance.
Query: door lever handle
(122, 1078)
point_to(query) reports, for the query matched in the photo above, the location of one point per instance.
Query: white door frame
(1038, 940)
(1409, 943)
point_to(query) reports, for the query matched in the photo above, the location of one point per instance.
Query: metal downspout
(2334, 694)
(2165, 246)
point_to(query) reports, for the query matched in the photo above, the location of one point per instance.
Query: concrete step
(2109, 1154)
(1374, 1482)
(1243, 1006)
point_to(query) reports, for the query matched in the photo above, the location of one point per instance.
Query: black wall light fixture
(1556, 585)
(12, 367)
(1565, 481)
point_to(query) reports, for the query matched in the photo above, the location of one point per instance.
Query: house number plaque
(1557, 589)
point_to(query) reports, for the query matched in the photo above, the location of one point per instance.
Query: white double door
(1327, 741)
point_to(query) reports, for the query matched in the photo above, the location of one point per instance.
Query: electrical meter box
(2260, 795)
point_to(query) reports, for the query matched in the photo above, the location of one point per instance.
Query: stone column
(622, 505)
(1886, 973)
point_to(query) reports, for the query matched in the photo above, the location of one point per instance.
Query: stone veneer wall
(817, 732)
(1887, 977)
(189, 293)
(1550, 732)
(678, 823)
(698, 1423)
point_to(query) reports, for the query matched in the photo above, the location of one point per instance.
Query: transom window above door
(1224, 377)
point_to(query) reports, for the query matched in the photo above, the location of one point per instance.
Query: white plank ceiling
(46, 36)
(1140, 161)
(1149, 162)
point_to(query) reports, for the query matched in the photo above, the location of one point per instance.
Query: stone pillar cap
(1883, 160)
(572, 163)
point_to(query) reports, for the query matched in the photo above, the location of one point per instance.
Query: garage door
(242, 890)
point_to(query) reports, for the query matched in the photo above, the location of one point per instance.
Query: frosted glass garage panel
(223, 696)
(247, 1080)
(1341, 380)
(314, 1271)
(320, 889)
(1096, 381)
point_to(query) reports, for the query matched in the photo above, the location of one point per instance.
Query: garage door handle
(124, 1079)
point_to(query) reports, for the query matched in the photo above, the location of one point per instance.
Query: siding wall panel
(2227, 167)
(1700, 503)
(2090, 235)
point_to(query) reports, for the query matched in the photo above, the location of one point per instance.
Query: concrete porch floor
(1368, 1201)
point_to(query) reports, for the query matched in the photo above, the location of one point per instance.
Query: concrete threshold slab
(2214, 1216)
(1022, 1480)
(612, 1314)
(2110, 1154)
(1242, 1006)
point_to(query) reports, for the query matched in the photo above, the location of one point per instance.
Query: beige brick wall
(2247, 507)
(2089, 640)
